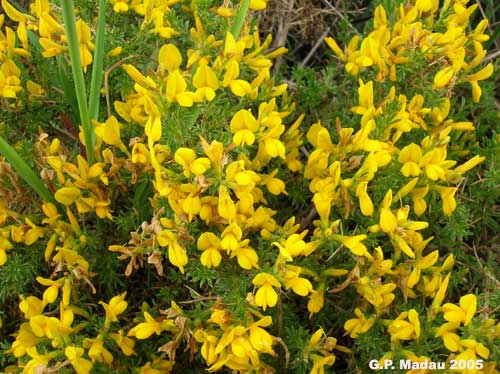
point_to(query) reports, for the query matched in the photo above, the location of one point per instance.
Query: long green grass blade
(64, 81)
(24, 171)
(240, 18)
(95, 85)
(68, 13)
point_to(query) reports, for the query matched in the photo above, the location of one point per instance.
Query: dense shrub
(197, 220)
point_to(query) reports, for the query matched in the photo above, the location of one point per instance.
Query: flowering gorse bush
(199, 224)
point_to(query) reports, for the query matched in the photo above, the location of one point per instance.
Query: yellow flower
(224, 11)
(205, 81)
(74, 355)
(448, 198)
(116, 306)
(209, 243)
(96, 350)
(151, 326)
(177, 256)
(335, 48)
(9, 80)
(320, 362)
(158, 366)
(292, 247)
(473, 348)
(388, 222)
(258, 4)
(14, 14)
(176, 90)
(191, 204)
(169, 58)
(34, 89)
(225, 206)
(115, 52)
(86, 45)
(463, 313)
(186, 157)
(176, 253)
(434, 163)
(270, 145)
(51, 48)
(365, 203)
(31, 306)
(4, 246)
(378, 294)
(246, 256)
(441, 292)
(34, 233)
(359, 325)
(316, 301)
(399, 329)
(365, 93)
(482, 74)
(274, 185)
(266, 295)
(354, 244)
(120, 6)
(450, 339)
(25, 340)
(125, 344)
(67, 195)
(230, 237)
(109, 132)
(51, 293)
(138, 78)
(472, 163)
(243, 125)
(215, 152)
(443, 77)
(419, 204)
(410, 157)
(260, 339)
(140, 154)
(208, 347)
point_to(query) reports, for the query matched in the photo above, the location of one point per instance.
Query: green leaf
(68, 13)
(95, 85)
(24, 171)
(240, 18)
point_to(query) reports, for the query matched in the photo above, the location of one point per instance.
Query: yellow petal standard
(13, 13)
(443, 77)
(365, 203)
(335, 48)
(388, 222)
(226, 207)
(116, 306)
(169, 57)
(177, 256)
(468, 303)
(247, 257)
(464, 312)
(67, 195)
(266, 295)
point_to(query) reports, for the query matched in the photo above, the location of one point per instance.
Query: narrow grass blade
(240, 18)
(68, 13)
(24, 171)
(64, 81)
(95, 85)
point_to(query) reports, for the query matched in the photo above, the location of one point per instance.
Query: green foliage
(217, 227)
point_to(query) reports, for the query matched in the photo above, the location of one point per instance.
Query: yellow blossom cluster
(220, 206)
(457, 51)
(227, 342)
(15, 45)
